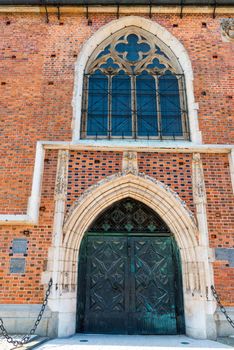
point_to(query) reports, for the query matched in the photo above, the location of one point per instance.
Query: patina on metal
(129, 274)
(17, 265)
(19, 246)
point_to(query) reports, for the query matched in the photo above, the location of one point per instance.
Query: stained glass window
(134, 88)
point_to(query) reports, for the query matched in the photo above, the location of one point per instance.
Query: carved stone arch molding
(164, 36)
(175, 214)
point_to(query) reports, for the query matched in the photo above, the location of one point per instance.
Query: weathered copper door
(127, 285)
(129, 274)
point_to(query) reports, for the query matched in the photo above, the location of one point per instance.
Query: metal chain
(26, 337)
(222, 308)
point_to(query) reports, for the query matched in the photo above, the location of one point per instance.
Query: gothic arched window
(134, 88)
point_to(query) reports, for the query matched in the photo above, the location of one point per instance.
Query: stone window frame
(165, 57)
(175, 46)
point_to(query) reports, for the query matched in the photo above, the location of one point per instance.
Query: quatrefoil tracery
(132, 53)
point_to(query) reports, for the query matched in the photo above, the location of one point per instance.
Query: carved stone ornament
(199, 191)
(227, 26)
(129, 164)
(60, 191)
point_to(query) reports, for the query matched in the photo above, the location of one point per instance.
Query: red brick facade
(37, 76)
(87, 168)
(36, 89)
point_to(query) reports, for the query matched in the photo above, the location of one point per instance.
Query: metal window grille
(129, 216)
(134, 89)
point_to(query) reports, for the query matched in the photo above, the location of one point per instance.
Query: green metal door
(152, 292)
(127, 285)
(106, 296)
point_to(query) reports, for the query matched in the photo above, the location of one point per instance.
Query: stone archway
(173, 211)
(129, 274)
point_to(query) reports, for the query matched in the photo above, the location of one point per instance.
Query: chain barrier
(222, 308)
(26, 337)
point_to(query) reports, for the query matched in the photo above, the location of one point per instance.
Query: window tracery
(134, 88)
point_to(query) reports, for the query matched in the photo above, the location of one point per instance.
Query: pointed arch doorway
(129, 274)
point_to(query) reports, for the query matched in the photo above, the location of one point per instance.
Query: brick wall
(36, 88)
(220, 215)
(87, 168)
(220, 200)
(36, 85)
(174, 170)
(27, 288)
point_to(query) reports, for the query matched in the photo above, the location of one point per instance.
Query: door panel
(106, 285)
(129, 285)
(152, 286)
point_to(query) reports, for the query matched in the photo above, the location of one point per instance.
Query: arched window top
(134, 51)
(134, 88)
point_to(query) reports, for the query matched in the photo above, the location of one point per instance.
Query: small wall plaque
(19, 246)
(17, 265)
(225, 254)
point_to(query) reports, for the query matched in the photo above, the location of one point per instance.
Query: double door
(126, 285)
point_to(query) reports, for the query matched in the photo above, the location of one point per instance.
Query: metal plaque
(225, 254)
(17, 265)
(19, 246)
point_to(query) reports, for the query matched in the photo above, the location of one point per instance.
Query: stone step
(226, 340)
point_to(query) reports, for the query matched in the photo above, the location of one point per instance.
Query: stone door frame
(197, 270)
